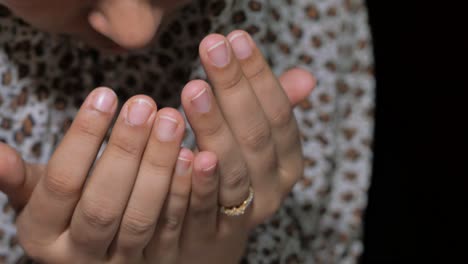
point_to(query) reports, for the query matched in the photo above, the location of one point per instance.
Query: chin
(113, 50)
(102, 44)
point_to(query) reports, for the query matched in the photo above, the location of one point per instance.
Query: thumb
(298, 84)
(17, 178)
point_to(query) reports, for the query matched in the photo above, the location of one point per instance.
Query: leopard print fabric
(44, 79)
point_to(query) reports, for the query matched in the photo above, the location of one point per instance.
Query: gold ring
(240, 209)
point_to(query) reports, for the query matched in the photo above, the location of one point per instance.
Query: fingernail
(218, 54)
(201, 102)
(166, 128)
(104, 100)
(182, 166)
(241, 46)
(139, 111)
(210, 169)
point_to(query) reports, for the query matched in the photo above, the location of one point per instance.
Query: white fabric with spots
(45, 78)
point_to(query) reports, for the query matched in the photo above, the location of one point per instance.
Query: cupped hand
(246, 118)
(107, 212)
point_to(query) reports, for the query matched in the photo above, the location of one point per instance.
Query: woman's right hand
(117, 213)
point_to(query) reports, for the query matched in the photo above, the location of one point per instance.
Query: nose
(131, 24)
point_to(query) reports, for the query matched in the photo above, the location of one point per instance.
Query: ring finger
(201, 221)
(164, 244)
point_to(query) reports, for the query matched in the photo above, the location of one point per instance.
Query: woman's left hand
(247, 121)
(246, 118)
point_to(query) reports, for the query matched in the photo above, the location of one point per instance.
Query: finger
(152, 183)
(17, 178)
(237, 101)
(235, 96)
(164, 245)
(297, 84)
(271, 97)
(275, 103)
(201, 219)
(213, 134)
(54, 199)
(99, 211)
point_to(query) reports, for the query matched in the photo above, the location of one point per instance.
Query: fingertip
(142, 98)
(205, 163)
(103, 88)
(184, 164)
(307, 80)
(102, 99)
(235, 33)
(191, 90)
(186, 154)
(209, 41)
(298, 83)
(11, 169)
(172, 115)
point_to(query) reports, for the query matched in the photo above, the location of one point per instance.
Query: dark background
(417, 201)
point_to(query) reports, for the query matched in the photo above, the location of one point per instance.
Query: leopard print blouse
(44, 79)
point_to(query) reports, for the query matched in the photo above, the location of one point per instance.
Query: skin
(139, 204)
(109, 25)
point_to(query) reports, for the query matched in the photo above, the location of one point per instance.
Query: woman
(46, 77)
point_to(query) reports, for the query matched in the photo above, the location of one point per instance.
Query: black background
(417, 201)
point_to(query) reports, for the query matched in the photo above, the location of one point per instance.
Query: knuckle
(203, 196)
(236, 177)
(290, 140)
(180, 191)
(212, 129)
(167, 242)
(137, 223)
(85, 127)
(201, 210)
(233, 81)
(172, 222)
(269, 163)
(294, 175)
(59, 183)
(282, 117)
(158, 165)
(178, 202)
(259, 70)
(98, 215)
(257, 137)
(123, 146)
(202, 202)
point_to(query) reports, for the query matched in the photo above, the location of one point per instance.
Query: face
(110, 25)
